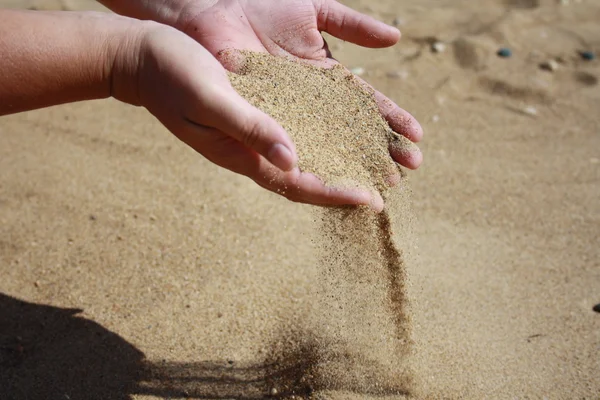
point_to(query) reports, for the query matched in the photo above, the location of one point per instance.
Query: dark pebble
(597, 308)
(588, 55)
(92, 217)
(504, 52)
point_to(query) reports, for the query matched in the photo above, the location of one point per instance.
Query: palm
(280, 28)
(293, 28)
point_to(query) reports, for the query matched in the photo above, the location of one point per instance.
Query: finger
(231, 114)
(405, 152)
(307, 188)
(228, 153)
(352, 26)
(393, 176)
(232, 59)
(399, 120)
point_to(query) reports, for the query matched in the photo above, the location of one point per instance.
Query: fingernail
(281, 157)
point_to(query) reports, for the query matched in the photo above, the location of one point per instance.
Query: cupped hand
(293, 28)
(188, 90)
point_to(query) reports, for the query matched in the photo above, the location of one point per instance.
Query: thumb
(235, 117)
(353, 26)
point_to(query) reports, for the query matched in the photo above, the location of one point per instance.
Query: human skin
(65, 57)
(285, 28)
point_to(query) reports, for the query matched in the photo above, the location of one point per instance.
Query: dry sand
(359, 334)
(131, 268)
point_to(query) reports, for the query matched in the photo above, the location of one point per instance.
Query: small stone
(274, 392)
(504, 52)
(438, 47)
(550, 65)
(397, 74)
(588, 55)
(359, 71)
(397, 22)
(597, 308)
(435, 118)
(92, 217)
(530, 110)
(36, 284)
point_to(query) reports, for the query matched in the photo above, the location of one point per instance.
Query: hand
(188, 90)
(292, 28)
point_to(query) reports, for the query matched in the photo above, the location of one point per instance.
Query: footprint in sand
(518, 91)
(585, 78)
(474, 52)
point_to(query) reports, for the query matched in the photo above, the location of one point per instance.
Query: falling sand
(357, 340)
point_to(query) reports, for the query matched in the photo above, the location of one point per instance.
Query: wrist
(124, 56)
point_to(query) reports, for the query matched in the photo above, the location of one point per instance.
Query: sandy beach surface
(131, 268)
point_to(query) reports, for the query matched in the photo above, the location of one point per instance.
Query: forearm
(53, 58)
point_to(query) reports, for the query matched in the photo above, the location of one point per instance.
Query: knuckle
(252, 132)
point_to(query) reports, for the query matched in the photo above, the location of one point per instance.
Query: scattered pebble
(597, 308)
(435, 118)
(397, 22)
(359, 71)
(530, 110)
(504, 52)
(92, 217)
(274, 392)
(438, 47)
(588, 55)
(550, 65)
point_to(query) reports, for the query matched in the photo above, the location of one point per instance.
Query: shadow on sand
(51, 353)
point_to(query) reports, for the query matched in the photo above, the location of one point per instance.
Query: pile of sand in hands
(358, 338)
